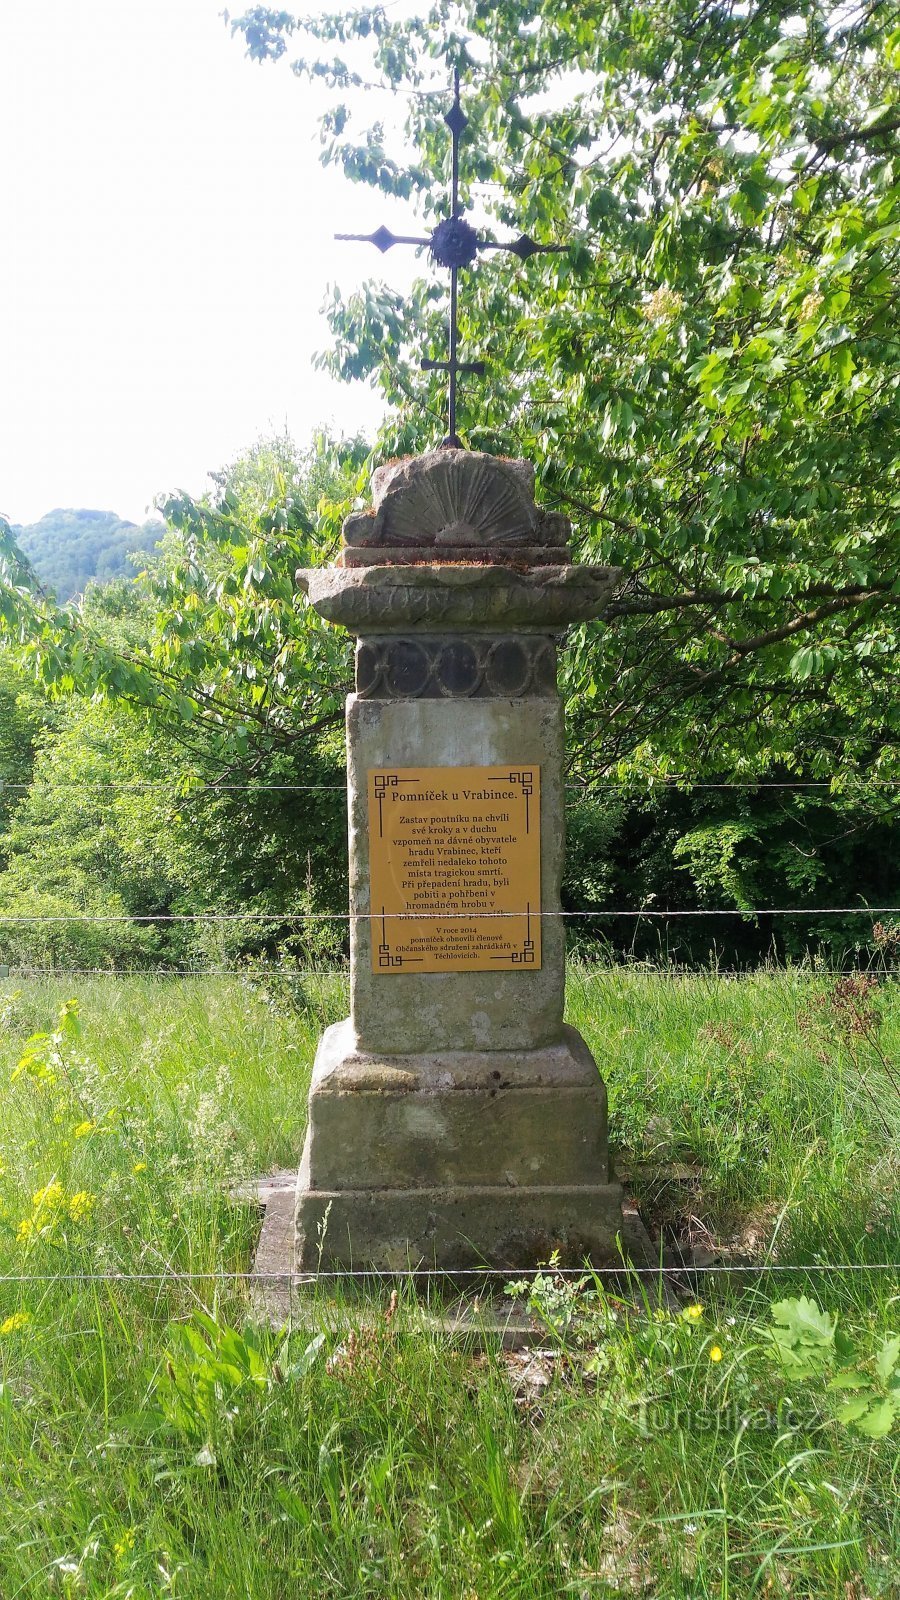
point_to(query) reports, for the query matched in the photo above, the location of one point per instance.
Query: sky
(166, 247)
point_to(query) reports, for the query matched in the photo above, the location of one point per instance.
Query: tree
(707, 379)
(184, 729)
(212, 640)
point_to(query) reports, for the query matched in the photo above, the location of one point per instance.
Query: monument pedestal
(454, 1121)
(455, 1159)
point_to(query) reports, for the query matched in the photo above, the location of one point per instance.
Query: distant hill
(68, 547)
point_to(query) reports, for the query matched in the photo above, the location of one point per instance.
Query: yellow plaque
(455, 868)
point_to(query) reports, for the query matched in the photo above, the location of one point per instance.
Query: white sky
(165, 245)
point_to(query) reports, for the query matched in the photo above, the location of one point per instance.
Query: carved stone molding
(456, 667)
(369, 600)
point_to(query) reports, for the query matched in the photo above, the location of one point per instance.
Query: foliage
(212, 1376)
(119, 825)
(674, 847)
(183, 740)
(213, 641)
(68, 548)
(186, 758)
(807, 1340)
(706, 377)
(23, 715)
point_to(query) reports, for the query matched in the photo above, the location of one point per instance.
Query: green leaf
(852, 1410)
(878, 1422)
(842, 364)
(299, 1368)
(848, 1380)
(805, 1319)
(887, 1357)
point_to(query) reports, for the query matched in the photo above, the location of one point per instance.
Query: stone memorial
(454, 1119)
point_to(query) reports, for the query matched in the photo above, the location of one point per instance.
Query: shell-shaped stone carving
(454, 497)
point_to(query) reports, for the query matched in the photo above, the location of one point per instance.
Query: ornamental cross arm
(454, 243)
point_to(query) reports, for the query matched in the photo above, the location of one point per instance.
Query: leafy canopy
(707, 379)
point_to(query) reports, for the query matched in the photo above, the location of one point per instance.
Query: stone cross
(454, 1120)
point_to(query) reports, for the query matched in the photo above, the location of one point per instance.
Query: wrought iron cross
(454, 244)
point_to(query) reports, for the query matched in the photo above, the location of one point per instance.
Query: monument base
(455, 1159)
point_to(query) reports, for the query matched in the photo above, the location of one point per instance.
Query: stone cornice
(429, 596)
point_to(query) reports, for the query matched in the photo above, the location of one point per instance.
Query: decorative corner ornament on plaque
(455, 869)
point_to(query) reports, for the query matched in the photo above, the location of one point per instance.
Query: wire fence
(439, 915)
(642, 1272)
(612, 970)
(634, 786)
(622, 1268)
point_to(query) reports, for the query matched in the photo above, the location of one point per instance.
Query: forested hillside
(68, 547)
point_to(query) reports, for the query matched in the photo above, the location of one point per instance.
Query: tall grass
(153, 1443)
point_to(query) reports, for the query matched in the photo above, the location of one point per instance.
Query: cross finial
(454, 243)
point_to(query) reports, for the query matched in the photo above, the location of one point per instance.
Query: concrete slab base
(480, 1313)
(456, 1228)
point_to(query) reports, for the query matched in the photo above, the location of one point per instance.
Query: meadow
(733, 1441)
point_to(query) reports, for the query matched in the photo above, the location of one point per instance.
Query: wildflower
(19, 1319)
(84, 1128)
(124, 1545)
(693, 1313)
(715, 1353)
(81, 1205)
(139, 1166)
(49, 1198)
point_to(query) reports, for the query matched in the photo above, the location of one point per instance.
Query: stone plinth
(453, 1119)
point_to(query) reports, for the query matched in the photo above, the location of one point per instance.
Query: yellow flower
(139, 1166)
(25, 1230)
(19, 1319)
(693, 1313)
(123, 1545)
(81, 1205)
(49, 1198)
(715, 1353)
(84, 1128)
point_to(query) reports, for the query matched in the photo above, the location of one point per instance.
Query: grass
(154, 1443)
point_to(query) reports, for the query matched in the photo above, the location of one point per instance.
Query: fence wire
(436, 916)
(300, 974)
(447, 1275)
(635, 787)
